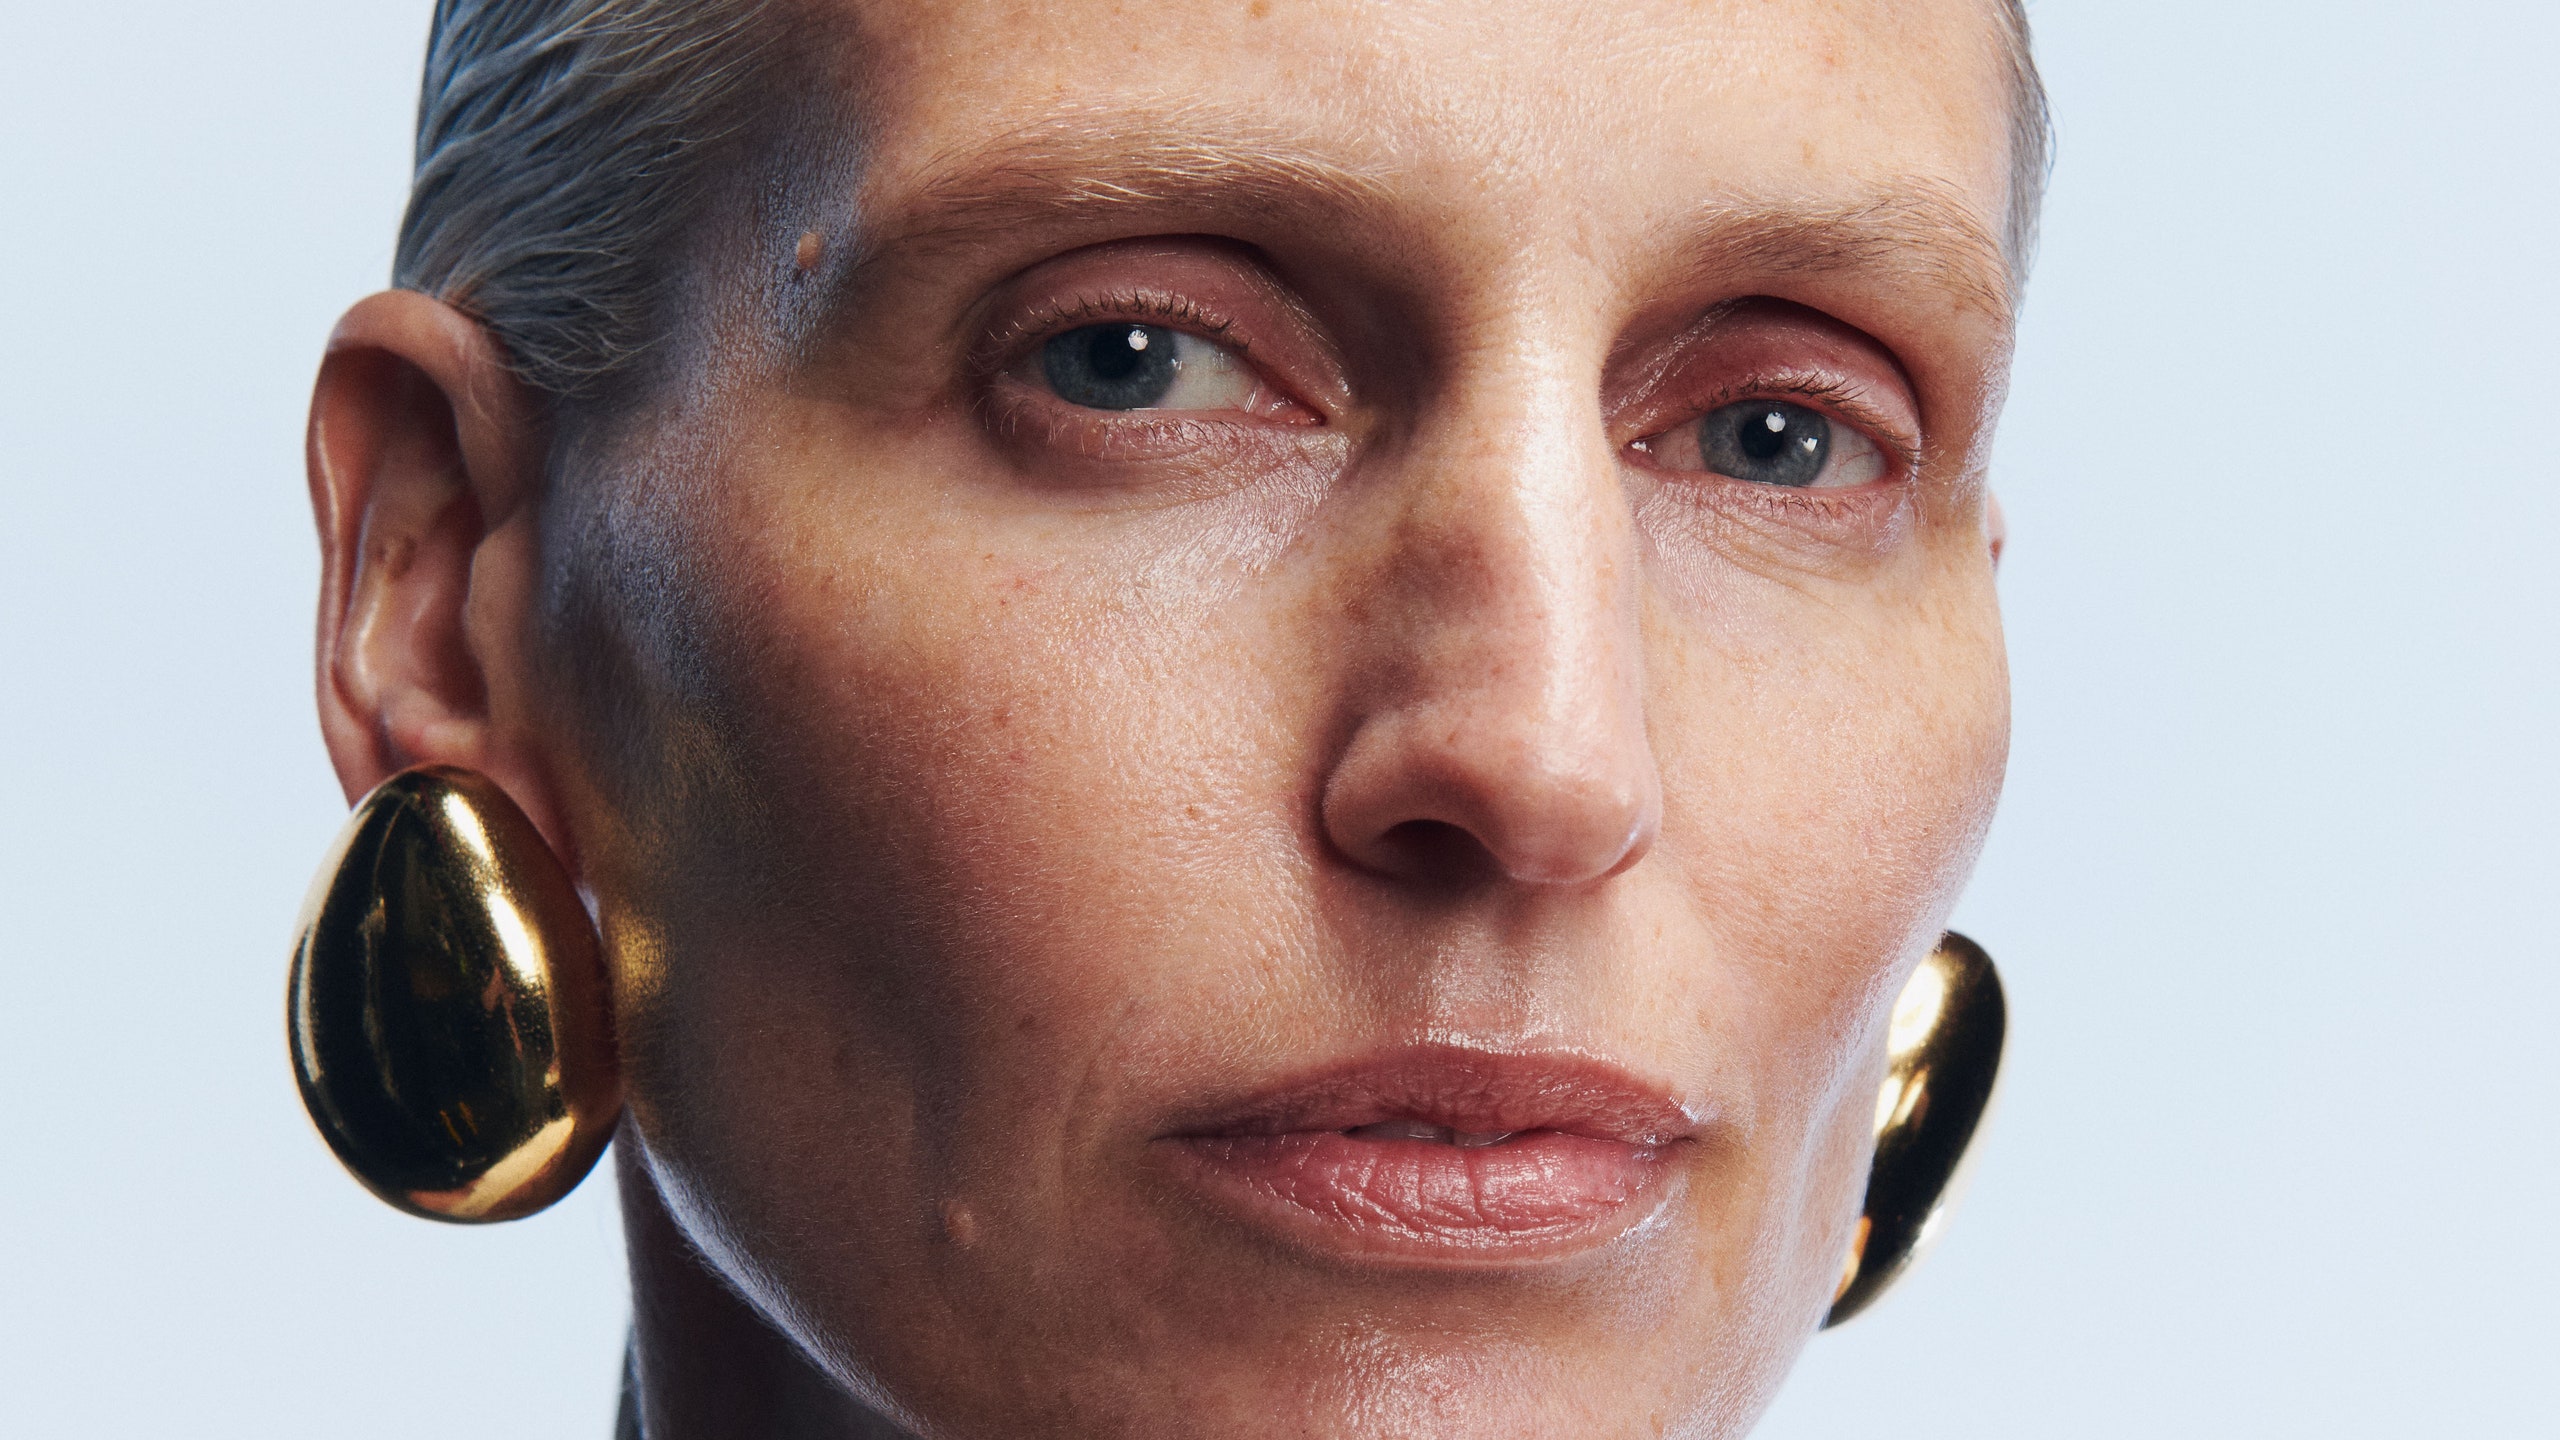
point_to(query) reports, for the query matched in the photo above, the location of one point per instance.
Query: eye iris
(1112, 367)
(1767, 441)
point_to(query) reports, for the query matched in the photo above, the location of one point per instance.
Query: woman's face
(1277, 783)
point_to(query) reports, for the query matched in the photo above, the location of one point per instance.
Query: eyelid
(1840, 400)
(1014, 348)
(1760, 347)
(1010, 342)
(1217, 289)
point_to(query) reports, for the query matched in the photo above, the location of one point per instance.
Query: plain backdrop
(2273, 883)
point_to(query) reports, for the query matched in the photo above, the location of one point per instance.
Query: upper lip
(1460, 1089)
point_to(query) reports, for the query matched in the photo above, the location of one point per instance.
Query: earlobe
(1999, 523)
(423, 456)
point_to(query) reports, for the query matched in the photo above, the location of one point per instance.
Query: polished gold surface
(1943, 1058)
(447, 1012)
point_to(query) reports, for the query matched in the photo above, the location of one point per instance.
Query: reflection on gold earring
(447, 1009)
(1943, 1061)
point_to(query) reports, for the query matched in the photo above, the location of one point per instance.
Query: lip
(1586, 1153)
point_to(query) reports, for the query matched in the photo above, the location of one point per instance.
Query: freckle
(1261, 10)
(1027, 1023)
(959, 1223)
(812, 246)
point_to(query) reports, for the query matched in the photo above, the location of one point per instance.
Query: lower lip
(1539, 1195)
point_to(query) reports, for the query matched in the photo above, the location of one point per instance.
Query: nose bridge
(1513, 541)
(1510, 703)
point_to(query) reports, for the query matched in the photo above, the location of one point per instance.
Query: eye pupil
(1768, 441)
(1111, 367)
(1116, 354)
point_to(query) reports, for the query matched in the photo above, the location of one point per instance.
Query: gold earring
(1943, 1062)
(447, 1008)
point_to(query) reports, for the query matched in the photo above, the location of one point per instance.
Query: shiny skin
(971, 788)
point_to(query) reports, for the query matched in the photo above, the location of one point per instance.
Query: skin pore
(1355, 895)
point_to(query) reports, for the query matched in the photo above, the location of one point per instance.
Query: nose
(1497, 716)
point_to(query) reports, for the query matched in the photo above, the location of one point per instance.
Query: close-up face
(1277, 719)
(1263, 737)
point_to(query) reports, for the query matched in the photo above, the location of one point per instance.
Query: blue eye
(1771, 442)
(1767, 441)
(1113, 367)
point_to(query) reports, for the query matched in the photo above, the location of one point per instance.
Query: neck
(704, 1364)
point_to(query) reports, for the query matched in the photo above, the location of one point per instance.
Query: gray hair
(564, 150)
(2030, 142)
(566, 147)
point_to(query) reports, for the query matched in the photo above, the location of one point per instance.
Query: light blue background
(2273, 884)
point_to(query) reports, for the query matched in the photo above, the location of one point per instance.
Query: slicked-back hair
(567, 147)
(564, 149)
(2030, 142)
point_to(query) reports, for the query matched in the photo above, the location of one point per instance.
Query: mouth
(1444, 1156)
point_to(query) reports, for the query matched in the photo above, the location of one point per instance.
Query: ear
(425, 457)
(1999, 530)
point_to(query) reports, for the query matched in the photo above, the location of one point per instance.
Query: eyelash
(1843, 399)
(1010, 343)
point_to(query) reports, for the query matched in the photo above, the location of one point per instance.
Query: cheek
(997, 810)
(1829, 770)
(1832, 753)
(980, 832)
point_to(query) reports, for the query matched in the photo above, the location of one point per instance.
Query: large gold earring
(1943, 1063)
(447, 1009)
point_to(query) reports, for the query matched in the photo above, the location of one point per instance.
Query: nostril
(1451, 794)
(1435, 850)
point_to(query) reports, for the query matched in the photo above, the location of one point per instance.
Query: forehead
(1531, 108)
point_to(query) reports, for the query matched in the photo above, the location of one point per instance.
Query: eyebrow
(1913, 226)
(1192, 166)
(1066, 170)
